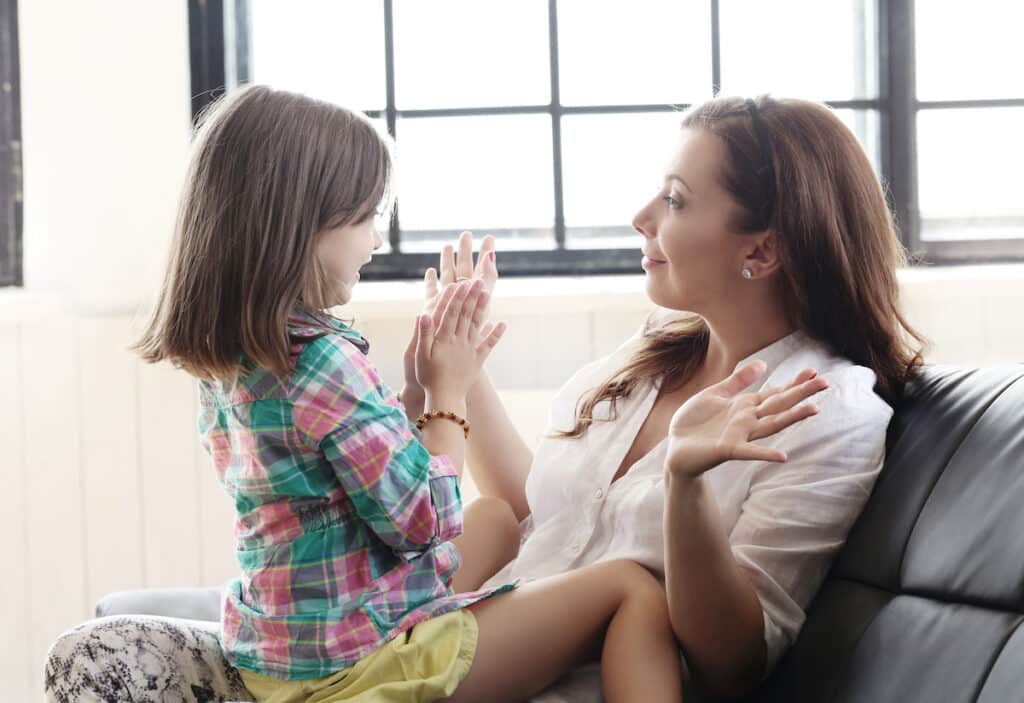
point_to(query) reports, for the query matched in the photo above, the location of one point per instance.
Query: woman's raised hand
(721, 422)
(460, 267)
(453, 343)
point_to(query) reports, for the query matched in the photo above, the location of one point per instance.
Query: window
(546, 122)
(969, 117)
(10, 148)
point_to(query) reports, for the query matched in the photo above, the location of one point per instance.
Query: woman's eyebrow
(674, 177)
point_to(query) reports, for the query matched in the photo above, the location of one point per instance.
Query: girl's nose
(377, 241)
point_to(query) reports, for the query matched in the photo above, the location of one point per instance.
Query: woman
(769, 239)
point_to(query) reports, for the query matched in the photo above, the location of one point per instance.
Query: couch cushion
(925, 601)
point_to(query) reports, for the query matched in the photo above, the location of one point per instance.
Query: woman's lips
(648, 263)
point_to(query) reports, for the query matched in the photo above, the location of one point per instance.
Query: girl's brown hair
(837, 243)
(269, 171)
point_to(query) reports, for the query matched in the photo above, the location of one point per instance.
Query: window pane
(612, 165)
(969, 175)
(864, 124)
(805, 48)
(646, 52)
(460, 53)
(969, 50)
(476, 173)
(329, 50)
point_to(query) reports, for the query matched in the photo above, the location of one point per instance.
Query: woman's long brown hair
(269, 171)
(837, 244)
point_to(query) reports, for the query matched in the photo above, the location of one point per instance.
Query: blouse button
(576, 547)
(599, 494)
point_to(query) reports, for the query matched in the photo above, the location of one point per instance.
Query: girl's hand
(452, 344)
(720, 423)
(451, 268)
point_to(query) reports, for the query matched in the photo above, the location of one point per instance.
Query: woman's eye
(673, 203)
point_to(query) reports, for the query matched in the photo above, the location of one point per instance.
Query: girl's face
(342, 251)
(691, 255)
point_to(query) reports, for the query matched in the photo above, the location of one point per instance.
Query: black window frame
(11, 214)
(219, 32)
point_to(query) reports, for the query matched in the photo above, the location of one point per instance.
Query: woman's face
(342, 251)
(691, 254)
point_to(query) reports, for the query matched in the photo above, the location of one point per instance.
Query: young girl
(347, 517)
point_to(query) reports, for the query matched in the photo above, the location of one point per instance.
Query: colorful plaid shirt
(343, 516)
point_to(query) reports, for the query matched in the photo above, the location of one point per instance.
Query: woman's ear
(761, 255)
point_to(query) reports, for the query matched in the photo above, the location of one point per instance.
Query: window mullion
(556, 124)
(899, 118)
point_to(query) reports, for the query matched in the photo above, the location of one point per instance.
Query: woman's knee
(638, 585)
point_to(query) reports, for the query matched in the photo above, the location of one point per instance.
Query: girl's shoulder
(331, 366)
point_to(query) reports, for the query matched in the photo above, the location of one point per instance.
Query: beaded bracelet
(423, 419)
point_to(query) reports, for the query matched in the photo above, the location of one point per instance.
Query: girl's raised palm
(452, 268)
(721, 422)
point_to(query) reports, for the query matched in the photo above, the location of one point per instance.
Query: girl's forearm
(715, 612)
(498, 457)
(442, 436)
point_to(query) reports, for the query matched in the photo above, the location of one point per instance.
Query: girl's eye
(673, 203)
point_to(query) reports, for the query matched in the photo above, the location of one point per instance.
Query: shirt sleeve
(797, 514)
(410, 499)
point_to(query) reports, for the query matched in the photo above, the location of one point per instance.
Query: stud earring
(747, 273)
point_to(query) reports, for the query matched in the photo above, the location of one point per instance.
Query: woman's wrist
(684, 482)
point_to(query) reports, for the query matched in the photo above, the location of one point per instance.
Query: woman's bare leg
(534, 634)
(489, 541)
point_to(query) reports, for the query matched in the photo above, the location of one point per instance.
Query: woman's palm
(721, 422)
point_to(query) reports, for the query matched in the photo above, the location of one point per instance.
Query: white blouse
(786, 522)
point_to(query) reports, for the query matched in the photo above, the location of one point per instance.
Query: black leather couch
(926, 599)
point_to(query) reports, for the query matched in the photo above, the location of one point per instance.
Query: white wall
(105, 130)
(105, 486)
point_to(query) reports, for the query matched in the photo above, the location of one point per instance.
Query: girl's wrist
(445, 400)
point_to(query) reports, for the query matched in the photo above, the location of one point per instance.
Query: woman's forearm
(715, 611)
(498, 457)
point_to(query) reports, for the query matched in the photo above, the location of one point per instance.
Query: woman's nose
(377, 241)
(642, 222)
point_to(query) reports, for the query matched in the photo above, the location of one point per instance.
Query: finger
(488, 343)
(424, 338)
(788, 397)
(805, 375)
(450, 317)
(479, 312)
(485, 330)
(754, 452)
(442, 304)
(447, 265)
(464, 264)
(485, 259)
(776, 423)
(742, 377)
(469, 310)
(410, 349)
(430, 282)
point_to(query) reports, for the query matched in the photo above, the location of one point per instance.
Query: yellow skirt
(423, 664)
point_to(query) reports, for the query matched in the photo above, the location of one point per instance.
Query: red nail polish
(490, 255)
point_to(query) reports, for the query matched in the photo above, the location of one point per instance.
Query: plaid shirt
(343, 517)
